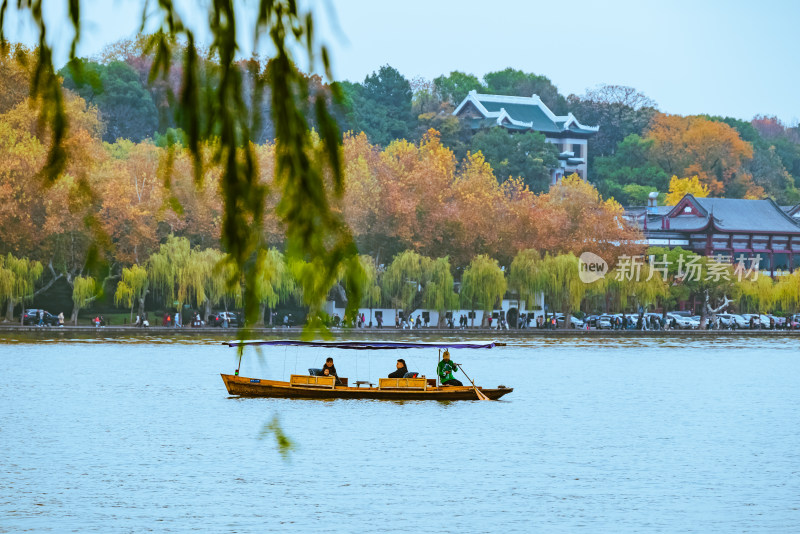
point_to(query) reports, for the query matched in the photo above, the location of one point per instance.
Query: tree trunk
(10, 311)
(261, 309)
(141, 306)
(206, 310)
(74, 316)
(270, 317)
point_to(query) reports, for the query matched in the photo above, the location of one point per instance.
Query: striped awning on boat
(367, 345)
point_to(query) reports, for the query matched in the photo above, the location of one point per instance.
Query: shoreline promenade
(391, 332)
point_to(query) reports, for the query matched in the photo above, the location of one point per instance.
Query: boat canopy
(366, 345)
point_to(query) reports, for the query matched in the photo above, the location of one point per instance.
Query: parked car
(591, 320)
(727, 318)
(574, 322)
(30, 317)
(604, 322)
(756, 320)
(684, 322)
(217, 319)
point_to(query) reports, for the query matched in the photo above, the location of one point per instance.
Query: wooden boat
(327, 387)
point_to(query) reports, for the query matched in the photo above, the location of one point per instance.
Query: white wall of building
(390, 314)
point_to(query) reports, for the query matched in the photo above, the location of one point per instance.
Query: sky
(729, 57)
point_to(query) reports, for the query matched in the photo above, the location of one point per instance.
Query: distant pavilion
(530, 114)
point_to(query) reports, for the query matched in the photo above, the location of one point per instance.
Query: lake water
(599, 435)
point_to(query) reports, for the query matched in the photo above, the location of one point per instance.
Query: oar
(480, 394)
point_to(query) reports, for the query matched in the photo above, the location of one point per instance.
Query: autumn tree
(714, 151)
(574, 217)
(679, 187)
(15, 74)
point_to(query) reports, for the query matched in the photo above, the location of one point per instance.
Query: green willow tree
(522, 276)
(274, 284)
(166, 268)
(133, 288)
(628, 294)
(760, 295)
(208, 278)
(403, 280)
(438, 294)
(558, 279)
(18, 277)
(371, 289)
(787, 292)
(84, 292)
(482, 286)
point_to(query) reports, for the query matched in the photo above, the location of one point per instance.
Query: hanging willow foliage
(438, 291)
(557, 277)
(84, 290)
(370, 289)
(316, 235)
(166, 268)
(483, 284)
(523, 274)
(132, 288)
(402, 279)
(274, 283)
(17, 279)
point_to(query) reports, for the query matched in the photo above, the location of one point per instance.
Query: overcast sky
(723, 57)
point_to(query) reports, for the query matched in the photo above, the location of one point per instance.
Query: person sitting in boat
(329, 366)
(401, 369)
(329, 370)
(445, 370)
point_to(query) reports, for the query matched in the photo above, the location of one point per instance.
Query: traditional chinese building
(530, 114)
(725, 228)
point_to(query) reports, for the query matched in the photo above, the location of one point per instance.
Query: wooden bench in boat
(403, 383)
(307, 381)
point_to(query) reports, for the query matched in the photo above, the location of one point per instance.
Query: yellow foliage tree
(678, 187)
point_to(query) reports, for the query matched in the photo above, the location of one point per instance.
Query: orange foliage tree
(573, 217)
(713, 151)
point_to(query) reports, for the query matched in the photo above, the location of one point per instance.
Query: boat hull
(243, 386)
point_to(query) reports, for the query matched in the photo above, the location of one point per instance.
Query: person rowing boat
(445, 370)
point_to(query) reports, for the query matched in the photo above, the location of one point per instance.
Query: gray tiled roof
(746, 214)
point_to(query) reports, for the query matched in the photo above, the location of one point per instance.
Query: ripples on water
(600, 435)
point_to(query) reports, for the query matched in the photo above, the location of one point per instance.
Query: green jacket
(445, 370)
